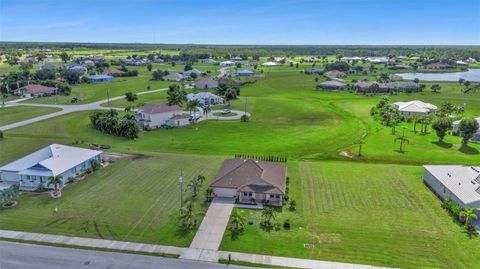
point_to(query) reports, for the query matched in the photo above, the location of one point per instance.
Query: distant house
(208, 61)
(50, 161)
(438, 66)
(399, 67)
(174, 76)
(114, 72)
(268, 64)
(48, 66)
(364, 85)
(246, 73)
(52, 58)
(76, 67)
(99, 78)
(237, 58)
(377, 60)
(331, 85)
(34, 90)
(88, 63)
(414, 108)
(458, 183)
(159, 115)
(334, 74)
(227, 64)
(314, 71)
(251, 181)
(401, 86)
(476, 136)
(461, 63)
(206, 83)
(193, 71)
(205, 98)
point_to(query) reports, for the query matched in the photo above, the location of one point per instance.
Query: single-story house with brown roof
(438, 66)
(34, 90)
(334, 74)
(206, 83)
(251, 181)
(159, 115)
(331, 85)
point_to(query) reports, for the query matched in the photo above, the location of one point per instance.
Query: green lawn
(128, 200)
(361, 213)
(18, 113)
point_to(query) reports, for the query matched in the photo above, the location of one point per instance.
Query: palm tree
(56, 181)
(207, 110)
(469, 214)
(194, 185)
(201, 179)
(403, 139)
(8, 195)
(187, 219)
(208, 194)
(192, 106)
(268, 214)
(237, 220)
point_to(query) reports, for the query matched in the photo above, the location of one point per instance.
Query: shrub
(1, 134)
(95, 165)
(286, 224)
(40, 187)
(292, 205)
(70, 179)
(244, 118)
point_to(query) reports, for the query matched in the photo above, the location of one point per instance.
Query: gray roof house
(246, 72)
(251, 181)
(48, 66)
(205, 98)
(206, 83)
(331, 85)
(53, 160)
(458, 183)
(314, 71)
(174, 76)
(199, 73)
(77, 67)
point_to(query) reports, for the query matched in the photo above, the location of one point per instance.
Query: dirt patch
(345, 153)
(112, 156)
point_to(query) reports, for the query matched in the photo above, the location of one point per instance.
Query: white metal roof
(463, 181)
(56, 158)
(414, 106)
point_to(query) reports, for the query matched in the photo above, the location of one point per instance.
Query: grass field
(361, 213)
(18, 113)
(128, 200)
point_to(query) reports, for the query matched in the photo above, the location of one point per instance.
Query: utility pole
(108, 97)
(180, 179)
(56, 93)
(245, 105)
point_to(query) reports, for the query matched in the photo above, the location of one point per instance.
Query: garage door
(225, 192)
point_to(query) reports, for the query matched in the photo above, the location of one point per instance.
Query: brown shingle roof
(159, 108)
(252, 175)
(35, 89)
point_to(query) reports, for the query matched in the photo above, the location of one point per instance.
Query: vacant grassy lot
(128, 200)
(361, 213)
(18, 113)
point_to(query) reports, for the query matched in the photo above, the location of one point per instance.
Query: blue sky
(369, 22)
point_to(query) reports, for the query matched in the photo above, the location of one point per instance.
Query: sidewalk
(191, 254)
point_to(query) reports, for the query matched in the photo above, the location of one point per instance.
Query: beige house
(160, 115)
(251, 181)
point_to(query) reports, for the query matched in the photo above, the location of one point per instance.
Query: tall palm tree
(237, 220)
(207, 109)
(469, 214)
(194, 185)
(230, 94)
(403, 139)
(187, 218)
(56, 181)
(268, 215)
(192, 106)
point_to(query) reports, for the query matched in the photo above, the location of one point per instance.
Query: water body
(470, 75)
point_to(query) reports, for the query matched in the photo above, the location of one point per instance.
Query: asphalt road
(21, 256)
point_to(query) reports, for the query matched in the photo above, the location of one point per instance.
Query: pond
(470, 75)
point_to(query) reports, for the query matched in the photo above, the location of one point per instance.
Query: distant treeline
(264, 50)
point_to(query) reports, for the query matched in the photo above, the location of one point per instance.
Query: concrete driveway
(210, 233)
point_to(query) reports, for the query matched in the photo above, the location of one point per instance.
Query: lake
(470, 75)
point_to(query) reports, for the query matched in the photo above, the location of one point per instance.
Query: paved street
(21, 256)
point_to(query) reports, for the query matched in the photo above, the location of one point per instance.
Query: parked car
(195, 116)
(226, 111)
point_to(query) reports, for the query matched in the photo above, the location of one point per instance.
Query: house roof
(364, 84)
(269, 64)
(463, 181)
(35, 88)
(99, 77)
(196, 71)
(56, 158)
(414, 106)
(159, 108)
(202, 95)
(207, 81)
(331, 83)
(174, 75)
(242, 174)
(334, 73)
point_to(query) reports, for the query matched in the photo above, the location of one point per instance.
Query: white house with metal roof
(458, 183)
(414, 107)
(476, 136)
(50, 161)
